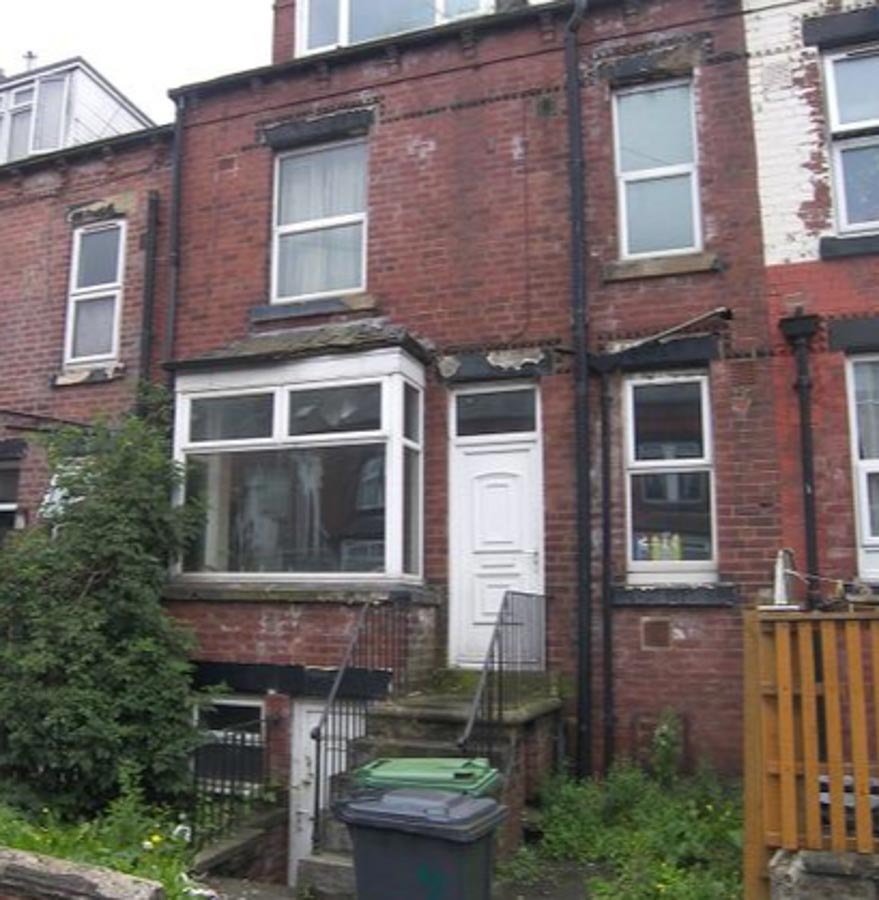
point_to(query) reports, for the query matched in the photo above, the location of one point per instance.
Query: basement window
(328, 24)
(314, 471)
(9, 474)
(853, 108)
(669, 480)
(231, 755)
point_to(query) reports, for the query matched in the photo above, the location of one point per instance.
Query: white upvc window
(669, 480)
(326, 24)
(853, 112)
(863, 389)
(35, 117)
(320, 222)
(312, 470)
(657, 170)
(9, 473)
(95, 295)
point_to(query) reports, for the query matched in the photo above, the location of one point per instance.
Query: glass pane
(93, 327)
(314, 510)
(98, 257)
(655, 128)
(372, 20)
(668, 421)
(860, 175)
(19, 134)
(659, 214)
(856, 95)
(327, 410)
(49, 114)
(411, 413)
(25, 95)
(329, 182)
(323, 23)
(461, 8)
(671, 516)
(494, 413)
(231, 418)
(7, 524)
(8, 485)
(867, 406)
(411, 510)
(873, 501)
(315, 262)
(231, 717)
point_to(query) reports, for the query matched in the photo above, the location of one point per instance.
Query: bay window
(669, 480)
(313, 471)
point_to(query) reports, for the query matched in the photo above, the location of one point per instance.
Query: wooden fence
(811, 736)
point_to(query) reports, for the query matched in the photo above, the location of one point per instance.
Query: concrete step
(328, 876)
(239, 889)
(334, 837)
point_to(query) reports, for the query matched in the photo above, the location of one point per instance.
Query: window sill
(661, 266)
(842, 247)
(97, 374)
(688, 595)
(303, 309)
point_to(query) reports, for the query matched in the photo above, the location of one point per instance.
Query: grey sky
(143, 47)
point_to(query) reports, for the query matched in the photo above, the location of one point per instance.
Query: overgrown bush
(94, 677)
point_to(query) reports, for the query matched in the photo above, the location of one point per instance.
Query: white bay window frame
(862, 470)
(668, 571)
(442, 14)
(848, 136)
(109, 290)
(392, 369)
(656, 173)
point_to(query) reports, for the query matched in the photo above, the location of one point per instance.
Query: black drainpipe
(799, 331)
(582, 448)
(147, 330)
(174, 239)
(607, 677)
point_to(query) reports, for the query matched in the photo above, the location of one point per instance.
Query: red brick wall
(284, 31)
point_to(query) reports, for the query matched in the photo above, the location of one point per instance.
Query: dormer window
(327, 24)
(36, 118)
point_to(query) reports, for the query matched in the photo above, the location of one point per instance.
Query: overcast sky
(143, 47)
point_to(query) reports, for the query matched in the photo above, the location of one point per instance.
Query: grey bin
(412, 844)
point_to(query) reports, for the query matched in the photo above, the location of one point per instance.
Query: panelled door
(495, 511)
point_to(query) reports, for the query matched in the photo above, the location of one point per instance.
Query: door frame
(499, 439)
(300, 707)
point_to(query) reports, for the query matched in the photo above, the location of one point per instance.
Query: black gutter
(799, 331)
(174, 238)
(608, 715)
(149, 286)
(582, 442)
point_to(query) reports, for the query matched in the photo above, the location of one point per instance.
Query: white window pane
(659, 214)
(873, 502)
(333, 410)
(496, 412)
(49, 114)
(370, 19)
(860, 177)
(668, 421)
(655, 128)
(98, 258)
(461, 7)
(19, 134)
(867, 406)
(231, 418)
(326, 183)
(313, 262)
(25, 95)
(857, 94)
(671, 516)
(323, 23)
(93, 326)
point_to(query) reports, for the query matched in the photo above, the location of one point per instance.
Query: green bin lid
(437, 814)
(462, 776)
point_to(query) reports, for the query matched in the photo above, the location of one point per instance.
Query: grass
(651, 838)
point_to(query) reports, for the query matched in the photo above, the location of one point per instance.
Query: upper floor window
(656, 166)
(95, 293)
(326, 24)
(670, 474)
(32, 118)
(853, 108)
(320, 222)
(864, 419)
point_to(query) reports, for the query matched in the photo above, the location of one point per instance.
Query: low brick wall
(28, 876)
(819, 874)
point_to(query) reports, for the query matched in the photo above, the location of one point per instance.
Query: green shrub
(94, 676)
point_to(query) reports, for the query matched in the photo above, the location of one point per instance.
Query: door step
(328, 876)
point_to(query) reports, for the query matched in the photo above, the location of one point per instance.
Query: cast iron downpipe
(799, 331)
(174, 239)
(608, 711)
(149, 286)
(582, 443)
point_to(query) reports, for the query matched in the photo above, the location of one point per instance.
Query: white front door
(495, 511)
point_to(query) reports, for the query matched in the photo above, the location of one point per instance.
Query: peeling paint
(519, 147)
(423, 149)
(448, 366)
(515, 359)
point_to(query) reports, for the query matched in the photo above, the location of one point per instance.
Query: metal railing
(230, 777)
(517, 647)
(373, 667)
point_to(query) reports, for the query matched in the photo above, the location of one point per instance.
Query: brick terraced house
(467, 298)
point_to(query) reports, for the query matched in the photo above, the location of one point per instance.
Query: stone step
(240, 889)
(328, 876)
(334, 837)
